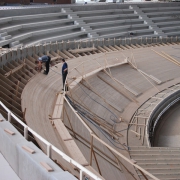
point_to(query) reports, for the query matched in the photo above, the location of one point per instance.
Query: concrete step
(159, 165)
(61, 37)
(5, 20)
(38, 16)
(12, 28)
(112, 16)
(155, 156)
(157, 160)
(6, 37)
(155, 151)
(67, 9)
(145, 10)
(14, 43)
(39, 24)
(139, 33)
(94, 12)
(163, 170)
(18, 45)
(174, 28)
(162, 13)
(74, 16)
(167, 24)
(152, 148)
(125, 28)
(3, 34)
(129, 21)
(164, 175)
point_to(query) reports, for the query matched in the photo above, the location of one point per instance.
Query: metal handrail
(50, 146)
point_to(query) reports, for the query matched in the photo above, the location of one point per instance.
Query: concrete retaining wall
(43, 48)
(27, 166)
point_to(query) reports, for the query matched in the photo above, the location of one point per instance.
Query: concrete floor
(6, 172)
(168, 132)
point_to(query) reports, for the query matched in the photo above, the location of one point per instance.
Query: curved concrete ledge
(111, 16)
(30, 25)
(138, 33)
(25, 17)
(160, 109)
(104, 11)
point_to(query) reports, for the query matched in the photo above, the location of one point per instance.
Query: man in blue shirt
(44, 59)
(64, 72)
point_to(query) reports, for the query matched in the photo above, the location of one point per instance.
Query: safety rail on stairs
(50, 146)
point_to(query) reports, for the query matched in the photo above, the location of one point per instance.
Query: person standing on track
(64, 73)
(44, 59)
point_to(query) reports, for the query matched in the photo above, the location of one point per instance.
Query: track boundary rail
(50, 146)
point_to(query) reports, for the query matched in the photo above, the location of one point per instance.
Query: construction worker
(64, 72)
(44, 59)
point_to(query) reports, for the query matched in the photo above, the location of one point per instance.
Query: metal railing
(50, 146)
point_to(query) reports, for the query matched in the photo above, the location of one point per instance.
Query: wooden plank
(123, 47)
(75, 82)
(58, 107)
(31, 59)
(75, 152)
(101, 49)
(162, 55)
(68, 54)
(29, 150)
(62, 54)
(112, 48)
(107, 49)
(14, 70)
(64, 134)
(118, 48)
(9, 132)
(46, 166)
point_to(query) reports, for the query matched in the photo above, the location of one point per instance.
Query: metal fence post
(49, 150)
(9, 116)
(26, 132)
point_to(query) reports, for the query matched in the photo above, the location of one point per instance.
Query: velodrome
(123, 75)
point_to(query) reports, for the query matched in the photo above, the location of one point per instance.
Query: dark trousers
(47, 66)
(64, 75)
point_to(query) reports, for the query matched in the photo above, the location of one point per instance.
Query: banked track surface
(40, 93)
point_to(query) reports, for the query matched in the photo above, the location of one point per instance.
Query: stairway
(162, 162)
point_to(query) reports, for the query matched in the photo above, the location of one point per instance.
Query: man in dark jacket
(44, 59)
(64, 72)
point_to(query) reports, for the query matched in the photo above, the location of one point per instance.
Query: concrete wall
(38, 1)
(27, 166)
(43, 48)
(29, 11)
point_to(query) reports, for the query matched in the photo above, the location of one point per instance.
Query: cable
(80, 107)
(87, 115)
(102, 106)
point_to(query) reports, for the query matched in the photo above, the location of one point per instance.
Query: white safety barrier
(50, 146)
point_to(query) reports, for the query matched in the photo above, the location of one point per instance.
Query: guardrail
(50, 146)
